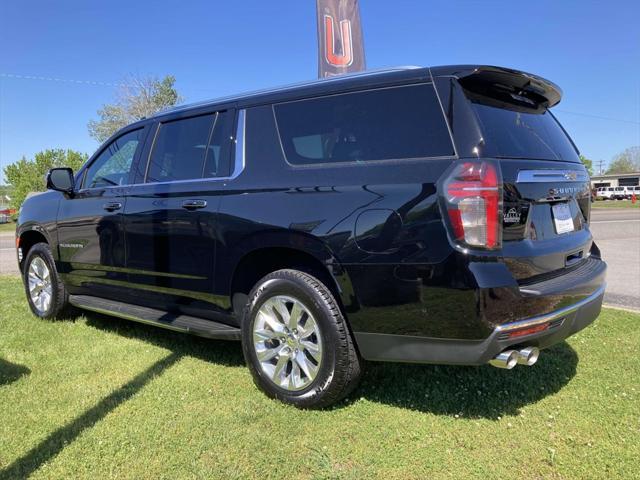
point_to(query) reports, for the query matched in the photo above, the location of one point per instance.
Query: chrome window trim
(238, 163)
(551, 175)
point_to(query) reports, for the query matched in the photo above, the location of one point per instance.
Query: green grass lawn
(97, 397)
(616, 204)
(8, 227)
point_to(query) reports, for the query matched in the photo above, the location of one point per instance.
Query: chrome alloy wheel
(40, 289)
(287, 342)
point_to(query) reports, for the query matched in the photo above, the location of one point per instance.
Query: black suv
(431, 215)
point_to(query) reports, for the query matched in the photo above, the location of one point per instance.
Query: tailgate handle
(573, 258)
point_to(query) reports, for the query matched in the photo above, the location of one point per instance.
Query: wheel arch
(30, 236)
(293, 252)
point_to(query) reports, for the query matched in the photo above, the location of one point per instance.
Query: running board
(159, 318)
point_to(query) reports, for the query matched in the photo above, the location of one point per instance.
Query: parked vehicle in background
(605, 193)
(416, 215)
(630, 190)
(619, 193)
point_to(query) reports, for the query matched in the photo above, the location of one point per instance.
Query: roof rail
(342, 77)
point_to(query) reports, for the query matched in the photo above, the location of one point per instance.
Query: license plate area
(562, 218)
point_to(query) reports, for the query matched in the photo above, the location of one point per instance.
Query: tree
(27, 176)
(136, 99)
(588, 164)
(626, 162)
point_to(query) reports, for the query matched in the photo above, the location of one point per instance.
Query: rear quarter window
(374, 125)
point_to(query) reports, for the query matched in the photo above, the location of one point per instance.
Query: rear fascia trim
(549, 317)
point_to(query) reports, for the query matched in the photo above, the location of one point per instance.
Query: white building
(616, 180)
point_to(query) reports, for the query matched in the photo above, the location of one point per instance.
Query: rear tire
(296, 341)
(45, 291)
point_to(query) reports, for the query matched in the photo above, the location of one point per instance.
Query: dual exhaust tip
(510, 358)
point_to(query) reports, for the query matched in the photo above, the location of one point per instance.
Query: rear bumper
(563, 323)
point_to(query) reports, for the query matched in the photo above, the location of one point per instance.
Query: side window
(384, 124)
(113, 165)
(217, 163)
(180, 149)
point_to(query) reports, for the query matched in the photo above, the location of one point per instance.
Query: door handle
(112, 206)
(194, 204)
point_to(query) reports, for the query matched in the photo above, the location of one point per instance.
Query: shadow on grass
(10, 372)
(471, 392)
(223, 352)
(58, 440)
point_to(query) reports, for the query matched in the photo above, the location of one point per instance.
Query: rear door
(170, 217)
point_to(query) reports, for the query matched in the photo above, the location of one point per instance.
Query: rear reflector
(473, 196)
(528, 331)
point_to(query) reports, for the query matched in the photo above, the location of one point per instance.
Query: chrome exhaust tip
(507, 359)
(528, 356)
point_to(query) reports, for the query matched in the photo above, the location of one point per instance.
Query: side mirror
(61, 179)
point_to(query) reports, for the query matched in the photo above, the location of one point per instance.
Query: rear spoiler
(489, 80)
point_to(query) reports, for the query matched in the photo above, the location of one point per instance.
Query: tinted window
(217, 162)
(113, 165)
(179, 149)
(521, 134)
(391, 123)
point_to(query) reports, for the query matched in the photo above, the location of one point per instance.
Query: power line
(600, 164)
(598, 116)
(61, 80)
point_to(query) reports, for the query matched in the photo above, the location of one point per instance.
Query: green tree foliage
(136, 99)
(28, 175)
(626, 162)
(588, 164)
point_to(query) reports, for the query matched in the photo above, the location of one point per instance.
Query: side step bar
(159, 318)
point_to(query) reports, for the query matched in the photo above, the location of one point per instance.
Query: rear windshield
(522, 134)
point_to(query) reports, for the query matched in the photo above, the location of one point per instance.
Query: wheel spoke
(271, 321)
(294, 376)
(296, 314)
(267, 354)
(46, 300)
(281, 365)
(279, 306)
(38, 264)
(312, 348)
(264, 334)
(307, 367)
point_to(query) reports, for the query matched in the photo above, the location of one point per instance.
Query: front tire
(45, 291)
(296, 341)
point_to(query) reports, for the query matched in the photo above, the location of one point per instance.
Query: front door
(91, 239)
(170, 219)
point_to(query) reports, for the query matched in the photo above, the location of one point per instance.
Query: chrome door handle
(112, 206)
(194, 204)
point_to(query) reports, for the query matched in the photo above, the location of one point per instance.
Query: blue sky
(215, 48)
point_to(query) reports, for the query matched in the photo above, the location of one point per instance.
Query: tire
(333, 361)
(40, 254)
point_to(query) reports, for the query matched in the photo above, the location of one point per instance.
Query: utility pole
(600, 169)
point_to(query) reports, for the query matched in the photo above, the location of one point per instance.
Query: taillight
(473, 197)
